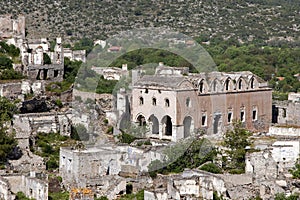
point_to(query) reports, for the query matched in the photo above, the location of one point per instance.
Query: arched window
(215, 86)
(240, 84)
(167, 103)
(201, 87)
(252, 84)
(141, 100)
(188, 102)
(227, 85)
(154, 101)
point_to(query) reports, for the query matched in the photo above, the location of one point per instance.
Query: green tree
(5, 63)
(235, 141)
(7, 141)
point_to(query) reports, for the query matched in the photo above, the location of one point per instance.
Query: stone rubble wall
(28, 125)
(31, 186)
(284, 131)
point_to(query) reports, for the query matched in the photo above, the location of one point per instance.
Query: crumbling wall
(5, 191)
(32, 186)
(17, 89)
(11, 90)
(28, 125)
(262, 166)
(287, 112)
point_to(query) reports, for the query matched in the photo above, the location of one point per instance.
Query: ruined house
(33, 185)
(112, 73)
(175, 104)
(33, 60)
(287, 112)
(10, 27)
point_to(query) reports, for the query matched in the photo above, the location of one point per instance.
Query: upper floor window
(204, 120)
(167, 103)
(240, 84)
(154, 101)
(201, 87)
(188, 102)
(252, 83)
(229, 117)
(254, 114)
(141, 100)
(227, 85)
(242, 116)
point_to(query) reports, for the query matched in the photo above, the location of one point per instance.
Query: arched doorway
(167, 125)
(188, 126)
(141, 120)
(155, 124)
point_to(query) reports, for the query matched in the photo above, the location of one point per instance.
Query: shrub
(52, 163)
(211, 167)
(58, 103)
(126, 138)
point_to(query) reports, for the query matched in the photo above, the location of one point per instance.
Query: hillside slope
(240, 19)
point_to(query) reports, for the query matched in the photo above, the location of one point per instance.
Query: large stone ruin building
(175, 105)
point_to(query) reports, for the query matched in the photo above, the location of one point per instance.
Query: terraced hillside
(246, 20)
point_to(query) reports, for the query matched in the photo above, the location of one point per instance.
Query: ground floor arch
(166, 125)
(188, 126)
(141, 120)
(154, 124)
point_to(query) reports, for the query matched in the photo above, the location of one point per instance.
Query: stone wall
(12, 27)
(287, 112)
(28, 125)
(284, 131)
(17, 89)
(33, 186)
(5, 191)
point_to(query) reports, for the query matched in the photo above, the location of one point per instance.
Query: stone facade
(28, 125)
(174, 105)
(17, 89)
(79, 55)
(106, 168)
(287, 112)
(33, 186)
(197, 184)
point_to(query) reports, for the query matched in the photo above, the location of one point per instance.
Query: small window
(254, 115)
(159, 91)
(167, 103)
(146, 91)
(204, 120)
(201, 87)
(141, 100)
(188, 102)
(229, 117)
(240, 84)
(252, 83)
(215, 86)
(242, 116)
(227, 84)
(154, 101)
(284, 113)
